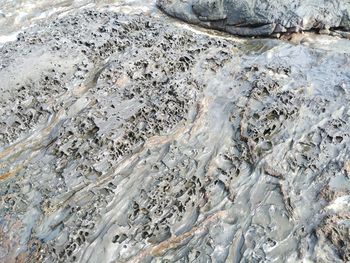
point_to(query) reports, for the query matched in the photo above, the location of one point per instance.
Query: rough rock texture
(261, 17)
(129, 139)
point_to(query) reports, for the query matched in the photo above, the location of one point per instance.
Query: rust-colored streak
(347, 168)
(176, 241)
(10, 173)
(203, 108)
(31, 142)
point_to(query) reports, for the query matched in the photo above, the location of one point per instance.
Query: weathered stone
(261, 17)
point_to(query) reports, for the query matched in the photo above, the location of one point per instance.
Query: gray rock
(126, 138)
(262, 17)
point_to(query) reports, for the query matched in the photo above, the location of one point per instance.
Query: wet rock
(155, 143)
(335, 229)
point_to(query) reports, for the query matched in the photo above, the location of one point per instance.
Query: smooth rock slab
(261, 17)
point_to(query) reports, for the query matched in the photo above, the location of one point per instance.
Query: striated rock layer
(127, 139)
(261, 17)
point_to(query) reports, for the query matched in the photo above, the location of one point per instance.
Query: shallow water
(243, 154)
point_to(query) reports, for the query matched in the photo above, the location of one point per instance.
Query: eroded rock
(138, 140)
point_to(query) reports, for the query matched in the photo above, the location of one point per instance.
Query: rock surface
(124, 138)
(261, 17)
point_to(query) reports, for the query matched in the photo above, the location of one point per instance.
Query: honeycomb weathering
(127, 139)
